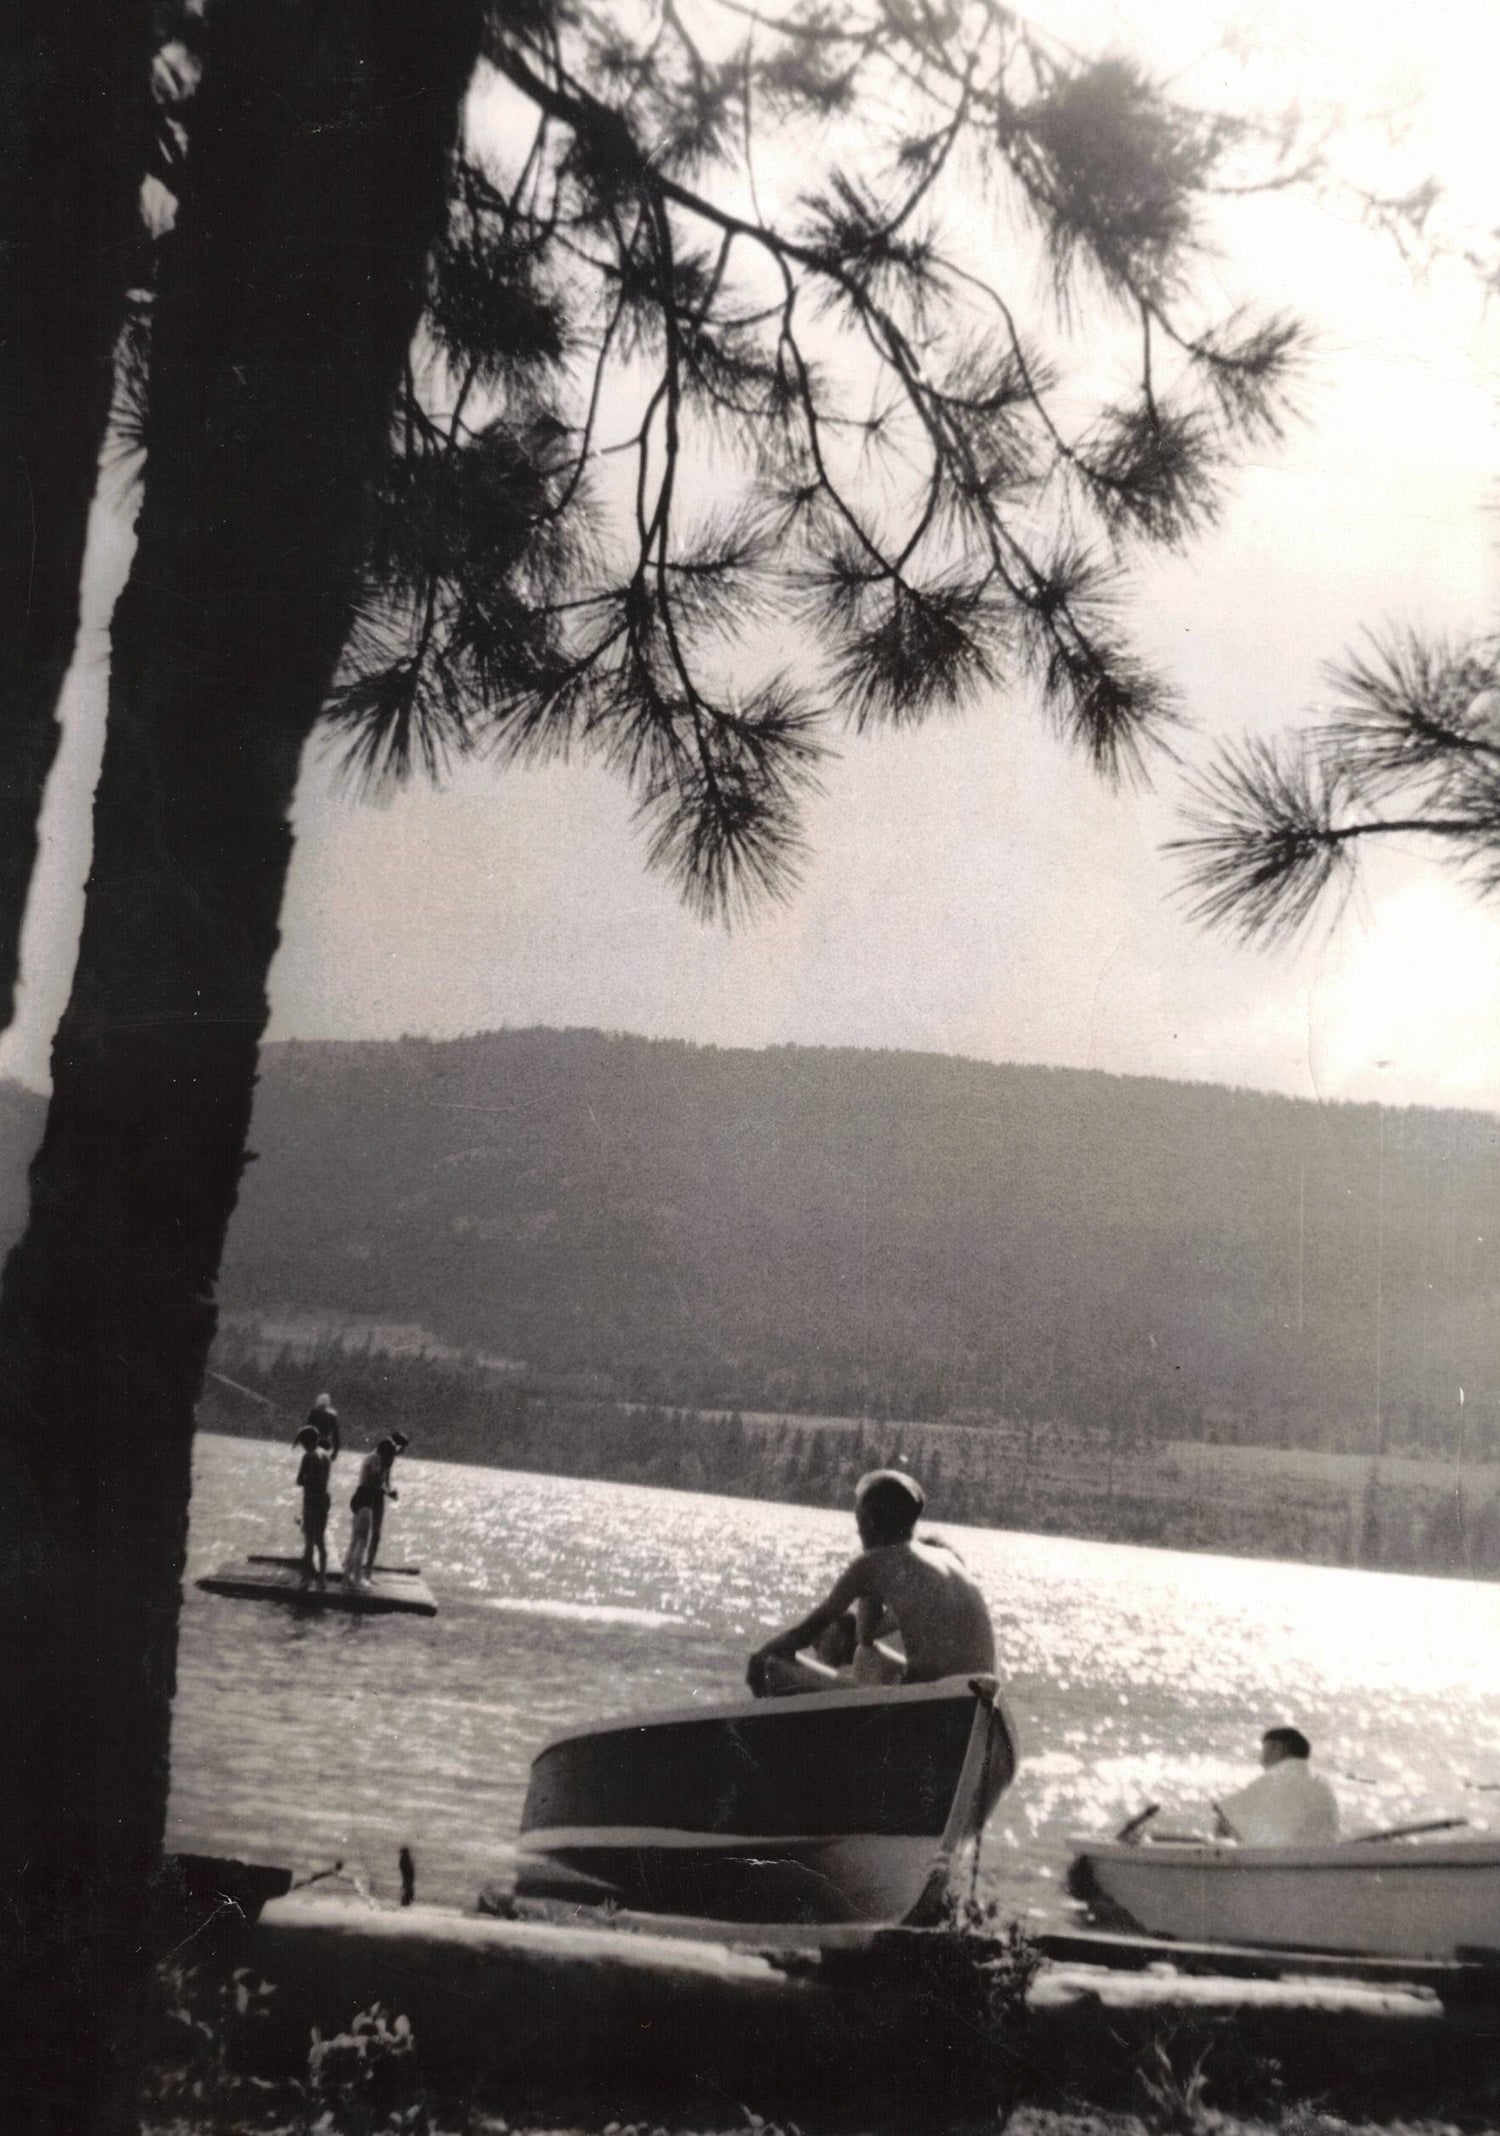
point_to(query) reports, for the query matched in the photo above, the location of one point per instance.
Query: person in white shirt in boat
(917, 1587)
(1286, 1805)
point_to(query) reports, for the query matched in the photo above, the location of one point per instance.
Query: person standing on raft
(398, 1442)
(314, 1482)
(919, 1587)
(372, 1490)
(323, 1419)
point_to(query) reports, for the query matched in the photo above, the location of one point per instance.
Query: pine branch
(1412, 711)
(1266, 841)
(1153, 471)
(724, 823)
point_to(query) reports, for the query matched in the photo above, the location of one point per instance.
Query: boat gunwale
(548, 1839)
(789, 1704)
(1482, 1851)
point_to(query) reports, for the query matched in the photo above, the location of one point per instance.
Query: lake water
(1134, 1675)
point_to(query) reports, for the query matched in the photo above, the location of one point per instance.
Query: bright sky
(971, 889)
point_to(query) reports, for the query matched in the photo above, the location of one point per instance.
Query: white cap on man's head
(899, 1477)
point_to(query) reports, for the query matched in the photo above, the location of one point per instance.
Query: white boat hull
(826, 1808)
(1379, 1899)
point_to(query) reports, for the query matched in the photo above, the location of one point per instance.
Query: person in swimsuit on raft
(312, 1481)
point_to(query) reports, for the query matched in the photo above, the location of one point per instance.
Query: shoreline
(580, 2027)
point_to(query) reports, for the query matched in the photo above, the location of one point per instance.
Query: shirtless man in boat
(916, 1586)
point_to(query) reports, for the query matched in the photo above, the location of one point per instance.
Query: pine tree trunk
(286, 304)
(74, 106)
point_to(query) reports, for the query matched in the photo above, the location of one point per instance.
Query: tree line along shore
(1051, 1478)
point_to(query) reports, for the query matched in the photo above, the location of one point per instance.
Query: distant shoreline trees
(1095, 1483)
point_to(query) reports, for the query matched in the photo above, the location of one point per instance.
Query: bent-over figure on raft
(917, 1587)
(399, 1441)
(372, 1490)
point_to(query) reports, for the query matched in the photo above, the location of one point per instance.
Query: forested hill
(884, 1233)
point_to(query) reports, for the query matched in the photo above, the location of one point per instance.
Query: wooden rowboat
(1435, 1899)
(829, 1807)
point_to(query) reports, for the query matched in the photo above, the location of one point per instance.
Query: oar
(1408, 1831)
(1141, 1819)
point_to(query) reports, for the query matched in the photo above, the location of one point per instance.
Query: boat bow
(828, 1807)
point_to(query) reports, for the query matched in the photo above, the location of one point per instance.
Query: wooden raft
(392, 1590)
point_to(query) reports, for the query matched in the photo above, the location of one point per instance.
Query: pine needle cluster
(1408, 746)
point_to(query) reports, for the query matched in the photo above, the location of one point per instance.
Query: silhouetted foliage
(1409, 747)
(632, 310)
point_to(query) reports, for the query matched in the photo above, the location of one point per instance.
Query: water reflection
(1134, 1675)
